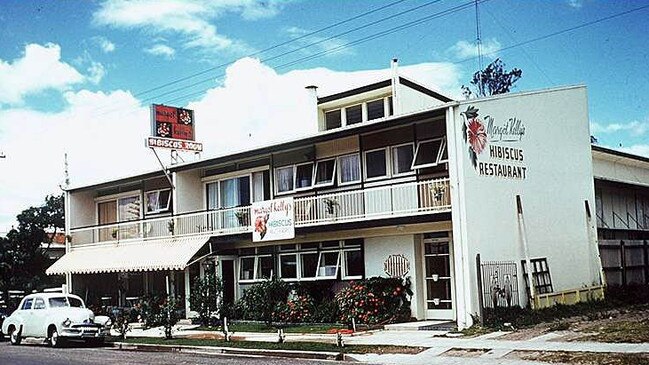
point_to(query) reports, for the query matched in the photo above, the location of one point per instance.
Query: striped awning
(139, 255)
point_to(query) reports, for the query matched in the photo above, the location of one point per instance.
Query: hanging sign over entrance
(273, 220)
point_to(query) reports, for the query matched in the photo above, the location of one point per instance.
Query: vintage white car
(55, 317)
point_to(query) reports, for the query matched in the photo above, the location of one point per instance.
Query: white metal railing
(216, 222)
(379, 202)
(373, 203)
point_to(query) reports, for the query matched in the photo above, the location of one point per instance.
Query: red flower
(476, 135)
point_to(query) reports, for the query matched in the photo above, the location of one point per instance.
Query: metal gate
(499, 284)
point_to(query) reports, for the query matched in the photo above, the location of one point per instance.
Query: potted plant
(331, 204)
(242, 217)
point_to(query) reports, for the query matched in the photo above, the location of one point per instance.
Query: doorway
(438, 268)
(227, 276)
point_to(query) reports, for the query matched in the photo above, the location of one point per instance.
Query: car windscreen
(65, 302)
(74, 302)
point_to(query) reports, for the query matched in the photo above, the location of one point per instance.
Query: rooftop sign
(172, 128)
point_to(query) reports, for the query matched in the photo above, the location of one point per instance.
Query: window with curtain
(324, 172)
(284, 179)
(349, 168)
(304, 176)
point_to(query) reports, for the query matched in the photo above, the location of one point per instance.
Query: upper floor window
(236, 191)
(333, 119)
(158, 201)
(354, 114)
(324, 172)
(304, 176)
(349, 169)
(430, 153)
(389, 161)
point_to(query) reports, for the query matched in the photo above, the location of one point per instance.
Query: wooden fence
(625, 262)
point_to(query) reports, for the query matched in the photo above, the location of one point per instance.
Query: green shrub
(326, 312)
(206, 297)
(375, 301)
(300, 309)
(260, 301)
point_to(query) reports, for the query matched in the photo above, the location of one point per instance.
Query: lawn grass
(264, 328)
(583, 358)
(626, 331)
(295, 346)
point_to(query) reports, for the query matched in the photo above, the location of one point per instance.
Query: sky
(78, 77)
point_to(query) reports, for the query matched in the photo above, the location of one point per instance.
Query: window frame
(393, 154)
(343, 263)
(367, 110)
(276, 185)
(339, 172)
(295, 167)
(320, 260)
(158, 210)
(254, 269)
(297, 266)
(116, 198)
(438, 159)
(387, 164)
(333, 174)
(363, 113)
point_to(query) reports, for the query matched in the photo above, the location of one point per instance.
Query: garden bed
(293, 346)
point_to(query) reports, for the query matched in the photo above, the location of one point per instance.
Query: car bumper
(83, 331)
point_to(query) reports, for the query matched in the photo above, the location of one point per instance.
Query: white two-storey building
(399, 181)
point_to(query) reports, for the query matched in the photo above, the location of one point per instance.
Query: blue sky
(73, 73)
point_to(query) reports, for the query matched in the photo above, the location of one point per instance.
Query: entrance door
(227, 275)
(438, 279)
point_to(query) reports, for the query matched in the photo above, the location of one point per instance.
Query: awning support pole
(528, 262)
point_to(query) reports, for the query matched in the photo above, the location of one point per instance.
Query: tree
(22, 260)
(493, 80)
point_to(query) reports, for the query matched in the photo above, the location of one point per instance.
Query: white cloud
(190, 19)
(254, 106)
(38, 70)
(161, 50)
(635, 128)
(96, 72)
(464, 49)
(106, 45)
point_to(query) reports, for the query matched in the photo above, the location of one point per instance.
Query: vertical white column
(187, 292)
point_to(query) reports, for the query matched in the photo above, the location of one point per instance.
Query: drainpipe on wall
(394, 68)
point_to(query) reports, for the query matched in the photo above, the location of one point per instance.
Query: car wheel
(55, 340)
(14, 337)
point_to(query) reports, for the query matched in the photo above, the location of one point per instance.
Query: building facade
(399, 181)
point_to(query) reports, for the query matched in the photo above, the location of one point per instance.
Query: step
(422, 326)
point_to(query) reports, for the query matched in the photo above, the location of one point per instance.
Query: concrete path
(436, 343)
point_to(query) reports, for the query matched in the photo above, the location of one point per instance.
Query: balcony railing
(421, 197)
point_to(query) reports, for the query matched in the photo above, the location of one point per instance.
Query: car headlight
(108, 323)
(67, 322)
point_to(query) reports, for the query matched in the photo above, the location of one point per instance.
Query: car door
(38, 317)
(25, 316)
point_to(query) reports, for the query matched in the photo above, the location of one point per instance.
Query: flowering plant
(375, 301)
(296, 310)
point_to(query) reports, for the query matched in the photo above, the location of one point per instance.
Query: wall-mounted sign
(172, 122)
(273, 220)
(396, 266)
(174, 144)
(494, 149)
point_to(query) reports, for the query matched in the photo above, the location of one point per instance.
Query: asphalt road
(35, 354)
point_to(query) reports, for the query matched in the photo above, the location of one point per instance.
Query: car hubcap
(55, 338)
(14, 336)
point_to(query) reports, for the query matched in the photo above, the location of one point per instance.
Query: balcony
(399, 200)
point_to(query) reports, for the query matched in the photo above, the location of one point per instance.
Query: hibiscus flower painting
(260, 225)
(474, 133)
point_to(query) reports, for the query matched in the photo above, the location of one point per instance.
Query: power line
(188, 77)
(211, 79)
(355, 42)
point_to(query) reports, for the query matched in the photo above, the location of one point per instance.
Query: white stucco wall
(411, 100)
(189, 194)
(558, 179)
(377, 250)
